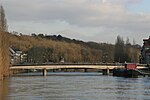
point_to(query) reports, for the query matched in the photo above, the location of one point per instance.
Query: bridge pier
(105, 71)
(85, 70)
(44, 72)
(53, 70)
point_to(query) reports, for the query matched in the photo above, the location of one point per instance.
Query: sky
(87, 20)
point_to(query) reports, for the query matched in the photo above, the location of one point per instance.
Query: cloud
(107, 15)
(77, 12)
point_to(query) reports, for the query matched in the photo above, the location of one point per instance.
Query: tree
(134, 42)
(127, 50)
(39, 54)
(128, 42)
(4, 46)
(119, 50)
(3, 21)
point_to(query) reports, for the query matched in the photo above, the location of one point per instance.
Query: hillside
(51, 48)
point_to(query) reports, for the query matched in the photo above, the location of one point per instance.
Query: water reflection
(3, 89)
(126, 88)
(133, 89)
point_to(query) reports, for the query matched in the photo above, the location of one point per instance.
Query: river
(74, 86)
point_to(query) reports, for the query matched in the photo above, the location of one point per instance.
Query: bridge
(104, 67)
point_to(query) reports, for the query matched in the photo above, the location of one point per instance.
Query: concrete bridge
(104, 67)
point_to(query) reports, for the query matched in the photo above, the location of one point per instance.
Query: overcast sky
(87, 20)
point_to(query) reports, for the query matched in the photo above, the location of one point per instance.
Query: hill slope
(53, 48)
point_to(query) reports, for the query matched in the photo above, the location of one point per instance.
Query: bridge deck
(70, 66)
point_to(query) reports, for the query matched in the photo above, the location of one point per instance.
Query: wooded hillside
(43, 48)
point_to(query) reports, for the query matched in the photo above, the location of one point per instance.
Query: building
(145, 51)
(17, 57)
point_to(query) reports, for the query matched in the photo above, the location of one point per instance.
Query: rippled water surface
(77, 86)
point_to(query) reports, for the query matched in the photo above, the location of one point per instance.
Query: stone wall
(4, 55)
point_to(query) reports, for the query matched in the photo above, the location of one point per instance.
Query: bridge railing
(104, 64)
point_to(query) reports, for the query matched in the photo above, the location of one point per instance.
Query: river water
(75, 86)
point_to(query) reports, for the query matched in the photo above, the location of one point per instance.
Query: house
(145, 51)
(16, 56)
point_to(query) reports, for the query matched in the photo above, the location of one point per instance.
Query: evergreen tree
(3, 21)
(4, 46)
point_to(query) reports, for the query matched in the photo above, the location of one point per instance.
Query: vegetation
(51, 48)
(3, 21)
(4, 47)
(126, 52)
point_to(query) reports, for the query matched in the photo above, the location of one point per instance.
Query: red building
(145, 52)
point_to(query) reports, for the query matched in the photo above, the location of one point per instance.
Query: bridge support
(85, 70)
(44, 72)
(53, 70)
(105, 71)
